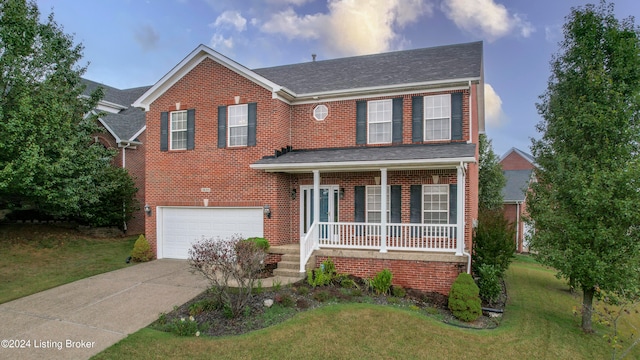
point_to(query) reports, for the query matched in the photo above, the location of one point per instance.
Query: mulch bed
(292, 299)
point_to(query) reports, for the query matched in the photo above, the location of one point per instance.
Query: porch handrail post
(383, 210)
(460, 211)
(316, 205)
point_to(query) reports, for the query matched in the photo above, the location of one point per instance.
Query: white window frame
(376, 115)
(173, 131)
(435, 112)
(443, 191)
(237, 118)
(376, 197)
(320, 112)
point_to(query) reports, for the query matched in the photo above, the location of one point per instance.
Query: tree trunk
(587, 309)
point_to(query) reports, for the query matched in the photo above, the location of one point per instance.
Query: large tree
(585, 203)
(47, 159)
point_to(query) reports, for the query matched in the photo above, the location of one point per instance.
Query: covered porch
(345, 228)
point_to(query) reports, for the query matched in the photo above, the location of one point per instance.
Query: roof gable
(191, 61)
(519, 153)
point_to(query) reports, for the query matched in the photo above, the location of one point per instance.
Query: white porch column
(383, 210)
(461, 210)
(316, 205)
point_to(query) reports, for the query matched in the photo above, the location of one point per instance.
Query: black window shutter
(222, 126)
(453, 203)
(396, 204)
(359, 206)
(397, 121)
(416, 204)
(191, 129)
(251, 130)
(417, 119)
(164, 131)
(361, 122)
(456, 116)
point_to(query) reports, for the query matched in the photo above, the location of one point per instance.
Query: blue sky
(129, 43)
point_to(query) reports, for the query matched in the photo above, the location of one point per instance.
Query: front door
(329, 198)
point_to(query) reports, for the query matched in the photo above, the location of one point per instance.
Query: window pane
(238, 125)
(374, 206)
(178, 130)
(435, 204)
(379, 115)
(437, 117)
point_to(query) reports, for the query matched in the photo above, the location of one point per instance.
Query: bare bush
(232, 262)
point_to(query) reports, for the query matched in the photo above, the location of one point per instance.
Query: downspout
(517, 226)
(470, 116)
(124, 162)
(462, 192)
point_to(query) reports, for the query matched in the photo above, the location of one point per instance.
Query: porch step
(285, 249)
(290, 273)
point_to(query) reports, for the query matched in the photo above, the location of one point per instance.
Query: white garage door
(179, 227)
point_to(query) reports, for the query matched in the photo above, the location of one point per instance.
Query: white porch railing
(307, 245)
(408, 237)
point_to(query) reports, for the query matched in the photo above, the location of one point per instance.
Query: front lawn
(38, 257)
(538, 324)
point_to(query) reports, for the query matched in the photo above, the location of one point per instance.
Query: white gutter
(364, 165)
(470, 116)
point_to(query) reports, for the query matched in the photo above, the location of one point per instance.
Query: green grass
(539, 324)
(34, 258)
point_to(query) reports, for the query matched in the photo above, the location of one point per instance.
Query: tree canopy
(47, 159)
(585, 201)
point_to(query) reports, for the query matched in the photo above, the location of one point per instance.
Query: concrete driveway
(80, 319)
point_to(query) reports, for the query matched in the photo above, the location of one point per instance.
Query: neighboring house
(125, 131)
(517, 168)
(303, 154)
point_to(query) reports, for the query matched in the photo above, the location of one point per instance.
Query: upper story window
(178, 133)
(320, 112)
(238, 125)
(435, 204)
(379, 121)
(374, 204)
(437, 117)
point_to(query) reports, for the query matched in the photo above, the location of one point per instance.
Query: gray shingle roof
(460, 61)
(127, 122)
(517, 185)
(387, 153)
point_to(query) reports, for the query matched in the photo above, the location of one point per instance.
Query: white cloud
(287, 2)
(218, 41)
(494, 115)
(350, 27)
(230, 19)
(486, 17)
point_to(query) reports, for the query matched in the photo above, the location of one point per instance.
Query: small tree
(493, 241)
(464, 298)
(227, 263)
(491, 178)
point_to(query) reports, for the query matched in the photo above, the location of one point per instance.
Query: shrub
(399, 291)
(260, 242)
(489, 283)
(285, 300)
(464, 299)
(185, 327)
(141, 250)
(493, 241)
(224, 260)
(323, 275)
(381, 283)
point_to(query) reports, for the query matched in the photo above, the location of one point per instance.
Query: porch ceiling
(402, 157)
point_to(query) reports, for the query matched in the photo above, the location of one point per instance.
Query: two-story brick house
(260, 152)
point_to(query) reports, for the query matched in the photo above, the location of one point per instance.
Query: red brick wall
(511, 214)
(514, 161)
(339, 128)
(420, 275)
(177, 177)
